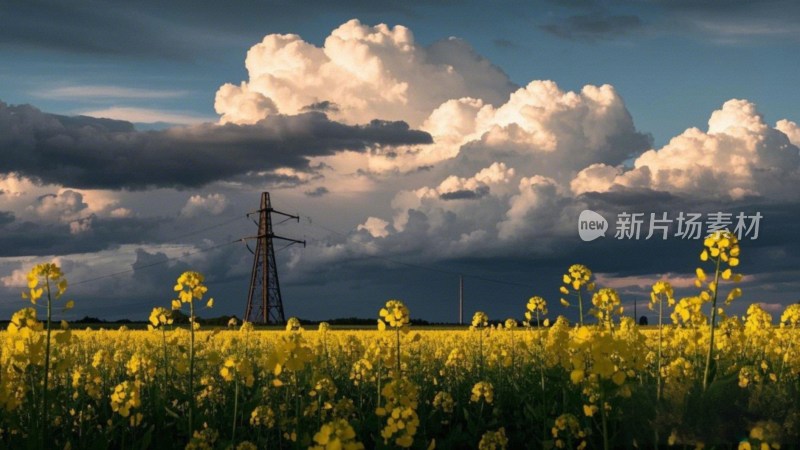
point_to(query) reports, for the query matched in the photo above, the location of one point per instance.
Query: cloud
(366, 71)
(723, 22)
(6, 217)
(738, 157)
(99, 91)
(85, 235)
(456, 188)
(736, 21)
(84, 152)
(64, 206)
(213, 204)
(790, 129)
(594, 26)
(318, 192)
(92, 28)
(145, 115)
(539, 128)
(376, 227)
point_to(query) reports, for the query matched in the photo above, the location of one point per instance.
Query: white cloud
(29, 200)
(64, 206)
(738, 156)
(362, 72)
(790, 129)
(375, 227)
(120, 213)
(531, 209)
(595, 178)
(213, 204)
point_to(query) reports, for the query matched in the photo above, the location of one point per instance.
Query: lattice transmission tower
(264, 302)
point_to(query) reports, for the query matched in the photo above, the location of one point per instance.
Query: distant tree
(179, 317)
(89, 319)
(643, 320)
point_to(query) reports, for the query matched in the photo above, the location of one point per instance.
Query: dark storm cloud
(465, 194)
(323, 106)
(594, 26)
(164, 30)
(593, 20)
(104, 28)
(85, 152)
(27, 238)
(6, 217)
(318, 192)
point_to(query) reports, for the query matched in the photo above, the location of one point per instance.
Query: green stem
(397, 375)
(480, 352)
(166, 361)
(710, 354)
(603, 419)
(191, 367)
(660, 340)
(235, 410)
(45, 399)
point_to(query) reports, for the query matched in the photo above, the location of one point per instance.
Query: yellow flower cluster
(262, 416)
(578, 276)
(535, 309)
(394, 315)
(480, 320)
(237, 368)
(125, 398)
(606, 305)
(400, 410)
(293, 324)
(336, 435)
(159, 318)
(493, 440)
(567, 433)
(444, 402)
(482, 390)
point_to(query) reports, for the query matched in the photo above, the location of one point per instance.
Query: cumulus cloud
(790, 129)
(375, 227)
(547, 130)
(456, 188)
(84, 152)
(213, 204)
(740, 156)
(367, 72)
(541, 127)
(64, 206)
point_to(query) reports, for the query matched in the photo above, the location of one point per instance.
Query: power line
(98, 255)
(156, 263)
(421, 266)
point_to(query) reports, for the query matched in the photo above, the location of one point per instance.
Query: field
(713, 382)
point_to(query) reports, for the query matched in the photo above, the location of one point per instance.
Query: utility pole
(460, 300)
(265, 289)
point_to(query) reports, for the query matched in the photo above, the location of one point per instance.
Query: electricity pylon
(265, 289)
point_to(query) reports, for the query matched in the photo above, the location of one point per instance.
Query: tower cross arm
(275, 236)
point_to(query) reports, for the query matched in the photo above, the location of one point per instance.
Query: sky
(416, 141)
